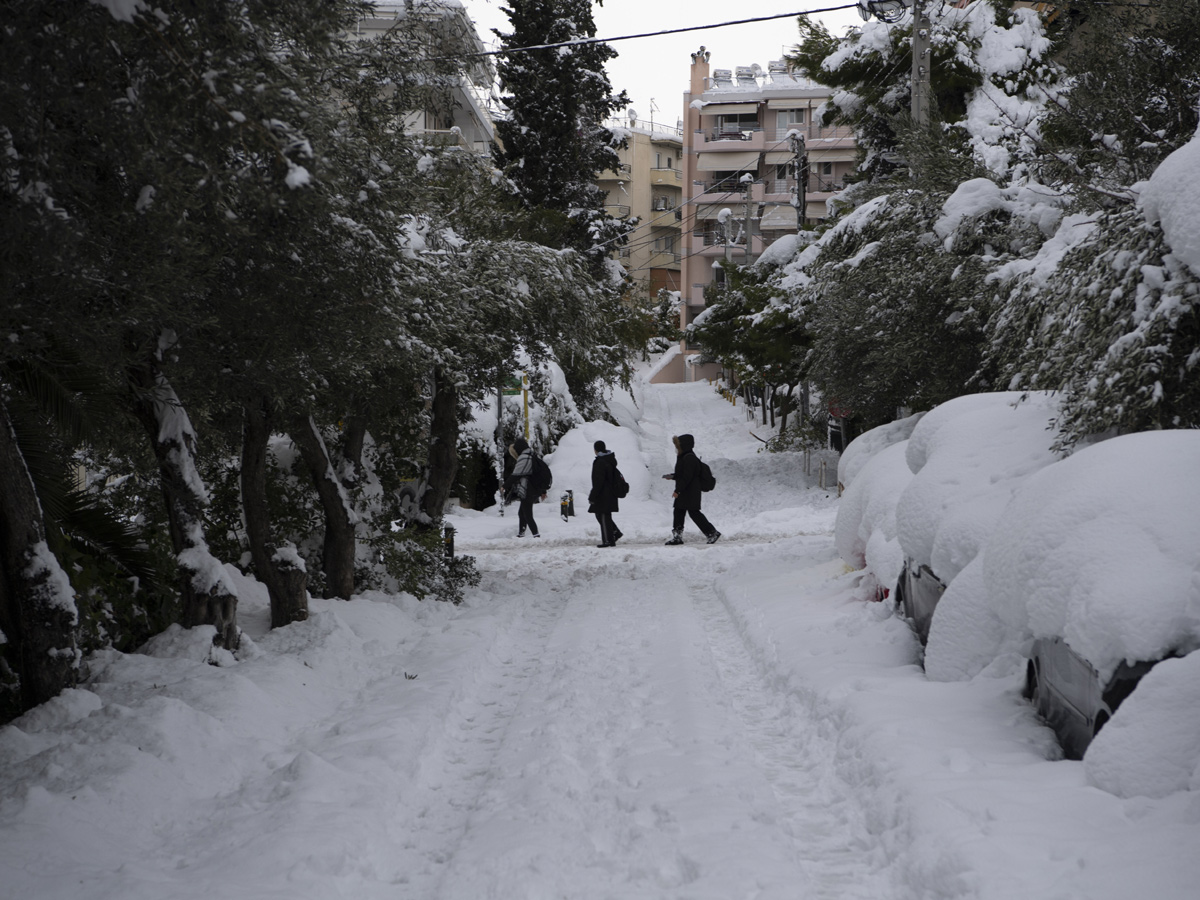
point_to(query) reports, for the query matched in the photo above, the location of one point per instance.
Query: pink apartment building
(740, 175)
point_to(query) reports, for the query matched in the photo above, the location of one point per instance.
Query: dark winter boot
(714, 537)
(676, 538)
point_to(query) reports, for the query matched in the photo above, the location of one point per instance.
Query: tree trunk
(443, 447)
(785, 406)
(337, 555)
(207, 597)
(37, 604)
(281, 571)
(352, 447)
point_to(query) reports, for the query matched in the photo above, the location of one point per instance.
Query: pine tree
(554, 139)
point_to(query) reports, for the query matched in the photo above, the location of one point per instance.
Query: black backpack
(620, 484)
(540, 479)
(707, 480)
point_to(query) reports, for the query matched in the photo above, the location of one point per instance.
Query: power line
(579, 42)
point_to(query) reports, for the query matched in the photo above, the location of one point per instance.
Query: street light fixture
(890, 11)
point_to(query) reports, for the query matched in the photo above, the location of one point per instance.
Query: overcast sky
(655, 69)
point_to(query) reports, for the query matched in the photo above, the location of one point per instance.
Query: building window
(735, 124)
(787, 119)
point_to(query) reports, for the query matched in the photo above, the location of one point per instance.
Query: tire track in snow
(796, 753)
(455, 767)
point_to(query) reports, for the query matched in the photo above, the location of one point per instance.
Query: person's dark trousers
(698, 517)
(608, 528)
(525, 516)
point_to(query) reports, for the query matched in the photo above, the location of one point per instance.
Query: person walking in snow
(602, 499)
(520, 486)
(687, 492)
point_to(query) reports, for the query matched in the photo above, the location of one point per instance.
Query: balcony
(667, 175)
(617, 210)
(814, 132)
(717, 239)
(622, 171)
(719, 190)
(733, 133)
(825, 184)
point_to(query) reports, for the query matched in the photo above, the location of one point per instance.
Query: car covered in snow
(1096, 565)
(967, 457)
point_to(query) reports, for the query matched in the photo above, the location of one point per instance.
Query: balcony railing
(729, 185)
(717, 238)
(734, 132)
(814, 132)
(825, 184)
(616, 209)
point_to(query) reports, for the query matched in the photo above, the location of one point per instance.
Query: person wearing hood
(520, 488)
(602, 499)
(687, 492)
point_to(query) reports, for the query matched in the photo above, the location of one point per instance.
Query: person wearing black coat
(519, 487)
(687, 492)
(602, 499)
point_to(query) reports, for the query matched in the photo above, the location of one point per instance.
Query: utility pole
(747, 231)
(892, 11)
(920, 63)
(799, 175)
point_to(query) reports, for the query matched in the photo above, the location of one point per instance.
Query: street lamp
(890, 11)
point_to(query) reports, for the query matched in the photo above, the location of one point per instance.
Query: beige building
(754, 153)
(648, 186)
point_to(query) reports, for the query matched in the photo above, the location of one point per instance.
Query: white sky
(655, 69)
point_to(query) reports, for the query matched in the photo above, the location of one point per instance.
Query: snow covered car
(1094, 568)
(872, 474)
(918, 591)
(967, 457)
(1069, 694)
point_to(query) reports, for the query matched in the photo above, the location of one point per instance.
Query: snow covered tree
(989, 69)
(748, 331)
(554, 137)
(1130, 97)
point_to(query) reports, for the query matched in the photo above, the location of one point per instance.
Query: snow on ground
(725, 721)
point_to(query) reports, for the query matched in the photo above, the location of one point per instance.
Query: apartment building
(754, 156)
(648, 185)
(444, 28)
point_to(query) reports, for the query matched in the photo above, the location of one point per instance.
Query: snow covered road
(693, 723)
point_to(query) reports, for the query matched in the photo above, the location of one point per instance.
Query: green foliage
(895, 313)
(416, 562)
(1130, 98)
(1116, 329)
(554, 138)
(746, 331)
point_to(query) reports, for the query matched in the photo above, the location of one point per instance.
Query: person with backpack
(608, 486)
(691, 478)
(528, 483)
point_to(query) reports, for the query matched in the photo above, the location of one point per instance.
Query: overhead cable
(578, 42)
